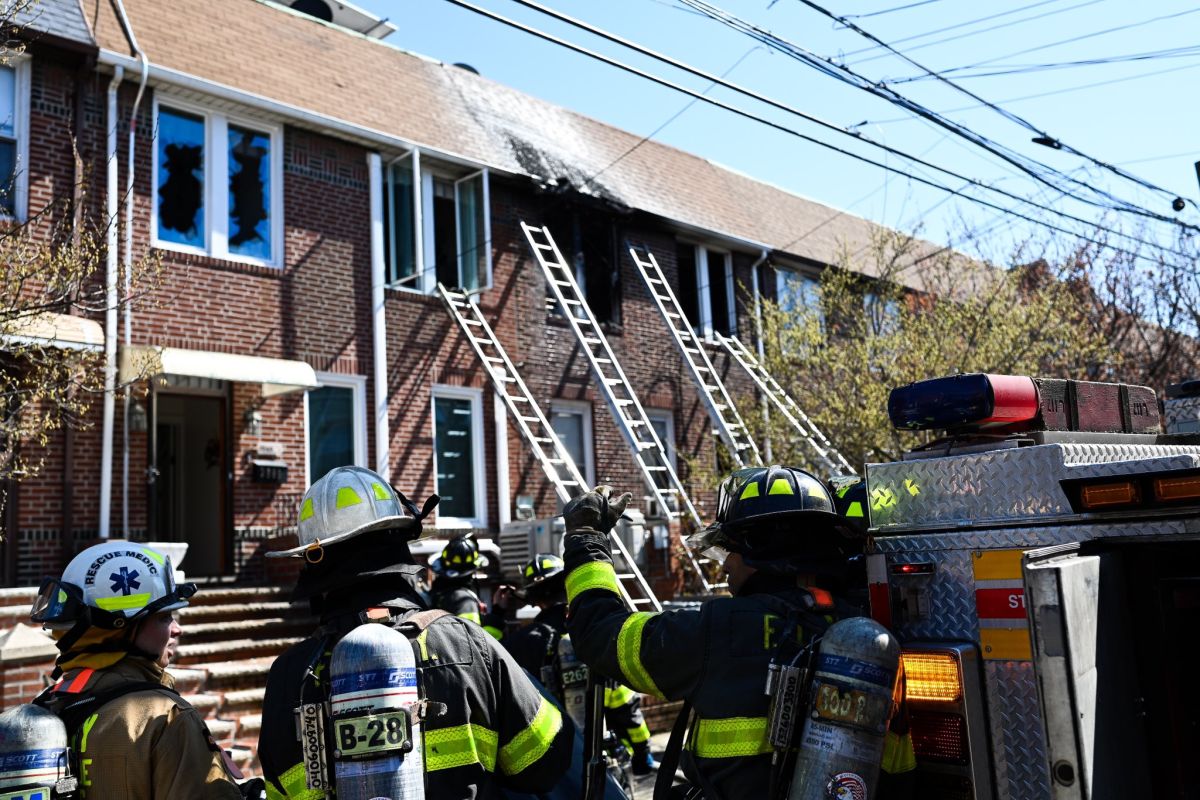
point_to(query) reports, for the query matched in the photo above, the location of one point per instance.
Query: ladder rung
(561, 283)
(641, 600)
(474, 322)
(655, 469)
(493, 359)
(571, 302)
(542, 246)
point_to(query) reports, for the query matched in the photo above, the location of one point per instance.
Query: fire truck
(1040, 564)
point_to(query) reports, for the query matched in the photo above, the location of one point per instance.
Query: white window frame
(584, 410)
(21, 66)
(668, 416)
(358, 385)
(479, 467)
(216, 174)
(704, 289)
(424, 224)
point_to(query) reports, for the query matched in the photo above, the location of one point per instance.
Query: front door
(189, 489)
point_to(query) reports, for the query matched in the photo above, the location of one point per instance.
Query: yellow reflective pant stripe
(494, 632)
(898, 754)
(473, 616)
(460, 746)
(733, 737)
(294, 786)
(629, 653)
(615, 698)
(639, 734)
(532, 743)
(593, 575)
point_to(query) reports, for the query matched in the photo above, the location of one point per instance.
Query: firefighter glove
(595, 510)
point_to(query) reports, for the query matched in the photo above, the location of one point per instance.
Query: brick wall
(316, 308)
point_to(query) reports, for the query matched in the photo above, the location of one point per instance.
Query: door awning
(277, 375)
(57, 330)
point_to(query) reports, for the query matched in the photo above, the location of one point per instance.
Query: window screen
(454, 445)
(330, 429)
(400, 239)
(181, 178)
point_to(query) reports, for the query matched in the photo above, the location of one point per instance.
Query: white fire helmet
(110, 585)
(347, 502)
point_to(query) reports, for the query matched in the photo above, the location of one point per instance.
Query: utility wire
(969, 34)
(890, 10)
(1037, 170)
(1039, 48)
(805, 137)
(1151, 55)
(596, 31)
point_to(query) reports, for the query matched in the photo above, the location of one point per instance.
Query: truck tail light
(1148, 490)
(944, 689)
(932, 677)
(1169, 490)
(940, 737)
(1105, 495)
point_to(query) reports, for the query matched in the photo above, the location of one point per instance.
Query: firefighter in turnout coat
(782, 543)
(112, 615)
(496, 732)
(453, 587)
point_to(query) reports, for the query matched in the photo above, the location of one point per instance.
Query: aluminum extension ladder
(547, 448)
(729, 423)
(626, 409)
(826, 454)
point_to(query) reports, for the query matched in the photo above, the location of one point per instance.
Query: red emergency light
(1014, 403)
(977, 400)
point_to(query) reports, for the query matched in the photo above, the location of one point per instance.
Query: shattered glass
(181, 178)
(249, 193)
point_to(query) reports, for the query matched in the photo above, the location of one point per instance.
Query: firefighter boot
(642, 762)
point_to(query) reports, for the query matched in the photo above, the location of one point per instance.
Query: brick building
(306, 187)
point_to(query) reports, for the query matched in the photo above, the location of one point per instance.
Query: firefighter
(112, 615)
(781, 543)
(495, 729)
(535, 647)
(454, 587)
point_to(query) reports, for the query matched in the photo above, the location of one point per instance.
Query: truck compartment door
(1087, 682)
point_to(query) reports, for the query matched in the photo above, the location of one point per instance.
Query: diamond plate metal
(1018, 740)
(1001, 486)
(1183, 414)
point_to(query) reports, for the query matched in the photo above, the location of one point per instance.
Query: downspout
(758, 340)
(378, 315)
(127, 260)
(110, 310)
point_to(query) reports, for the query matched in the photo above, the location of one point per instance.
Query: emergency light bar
(1012, 403)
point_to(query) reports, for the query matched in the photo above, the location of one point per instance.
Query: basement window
(437, 225)
(218, 184)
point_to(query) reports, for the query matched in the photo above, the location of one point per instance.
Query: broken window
(437, 226)
(689, 290)
(249, 193)
(400, 198)
(181, 178)
(224, 204)
(721, 307)
(589, 244)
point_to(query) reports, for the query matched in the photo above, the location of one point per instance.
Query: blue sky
(1146, 124)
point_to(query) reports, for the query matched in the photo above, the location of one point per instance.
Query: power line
(890, 10)
(1037, 170)
(969, 34)
(1050, 93)
(1039, 48)
(1150, 55)
(955, 26)
(805, 137)
(596, 31)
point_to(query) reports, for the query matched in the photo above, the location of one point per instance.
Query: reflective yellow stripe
(88, 724)
(273, 793)
(532, 743)
(158, 559)
(473, 616)
(629, 654)
(594, 575)
(123, 603)
(294, 786)
(615, 698)
(495, 632)
(639, 734)
(734, 737)
(898, 755)
(460, 746)
(306, 510)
